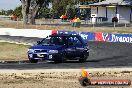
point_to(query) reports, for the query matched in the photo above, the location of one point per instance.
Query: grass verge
(11, 51)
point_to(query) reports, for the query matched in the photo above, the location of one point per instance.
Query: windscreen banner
(89, 36)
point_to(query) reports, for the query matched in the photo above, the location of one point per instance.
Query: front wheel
(33, 60)
(61, 58)
(84, 57)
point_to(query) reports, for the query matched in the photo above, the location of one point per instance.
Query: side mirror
(86, 42)
(38, 42)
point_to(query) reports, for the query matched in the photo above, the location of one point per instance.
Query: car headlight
(30, 51)
(53, 51)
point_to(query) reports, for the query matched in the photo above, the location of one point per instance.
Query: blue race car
(59, 48)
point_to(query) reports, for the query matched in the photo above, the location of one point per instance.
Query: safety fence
(89, 36)
(99, 36)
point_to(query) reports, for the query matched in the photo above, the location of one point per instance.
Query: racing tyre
(82, 60)
(33, 60)
(84, 81)
(61, 59)
(84, 57)
(57, 61)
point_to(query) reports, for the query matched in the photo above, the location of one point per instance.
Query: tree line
(32, 9)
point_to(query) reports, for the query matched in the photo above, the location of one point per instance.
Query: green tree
(18, 12)
(44, 13)
(63, 7)
(86, 2)
(9, 12)
(68, 7)
(3, 12)
(30, 9)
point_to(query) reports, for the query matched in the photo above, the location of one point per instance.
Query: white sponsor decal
(121, 39)
(84, 36)
(106, 36)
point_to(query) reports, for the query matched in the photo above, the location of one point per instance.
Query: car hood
(47, 47)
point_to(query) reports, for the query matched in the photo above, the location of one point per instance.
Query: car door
(79, 46)
(71, 49)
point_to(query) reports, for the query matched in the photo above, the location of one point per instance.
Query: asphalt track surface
(102, 55)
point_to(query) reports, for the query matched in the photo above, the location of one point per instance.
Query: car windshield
(54, 40)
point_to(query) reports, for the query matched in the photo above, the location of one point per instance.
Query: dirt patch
(56, 78)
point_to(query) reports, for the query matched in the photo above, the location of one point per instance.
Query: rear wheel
(84, 57)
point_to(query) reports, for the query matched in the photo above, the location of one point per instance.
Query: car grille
(40, 56)
(39, 51)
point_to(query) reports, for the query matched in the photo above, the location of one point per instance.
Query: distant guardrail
(26, 32)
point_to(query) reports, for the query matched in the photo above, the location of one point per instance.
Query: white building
(106, 10)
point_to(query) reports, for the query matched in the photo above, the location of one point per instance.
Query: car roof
(65, 35)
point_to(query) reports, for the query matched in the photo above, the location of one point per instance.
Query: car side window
(77, 41)
(74, 40)
(70, 41)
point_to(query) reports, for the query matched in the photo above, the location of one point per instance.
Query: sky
(9, 4)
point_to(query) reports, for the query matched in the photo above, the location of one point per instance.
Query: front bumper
(44, 56)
